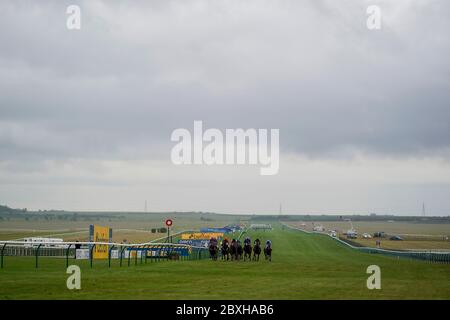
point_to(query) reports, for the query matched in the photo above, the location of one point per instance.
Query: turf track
(304, 266)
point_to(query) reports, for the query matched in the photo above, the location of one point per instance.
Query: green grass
(304, 267)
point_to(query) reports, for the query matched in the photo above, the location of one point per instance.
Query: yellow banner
(201, 235)
(101, 234)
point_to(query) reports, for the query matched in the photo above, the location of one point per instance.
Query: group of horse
(235, 251)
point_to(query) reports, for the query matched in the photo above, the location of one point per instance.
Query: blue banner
(162, 252)
(195, 243)
(220, 230)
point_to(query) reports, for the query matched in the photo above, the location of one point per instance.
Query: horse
(213, 249)
(256, 250)
(233, 249)
(268, 252)
(247, 249)
(225, 249)
(240, 250)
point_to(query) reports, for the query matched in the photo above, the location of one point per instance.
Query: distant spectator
(77, 246)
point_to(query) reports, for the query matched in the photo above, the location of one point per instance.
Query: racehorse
(233, 249)
(225, 248)
(247, 249)
(268, 250)
(213, 249)
(256, 250)
(240, 250)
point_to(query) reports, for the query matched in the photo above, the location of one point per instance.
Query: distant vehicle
(379, 234)
(319, 228)
(332, 233)
(396, 238)
(366, 236)
(352, 234)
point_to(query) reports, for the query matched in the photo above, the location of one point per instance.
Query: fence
(67, 250)
(429, 255)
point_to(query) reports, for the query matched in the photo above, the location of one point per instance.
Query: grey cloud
(136, 71)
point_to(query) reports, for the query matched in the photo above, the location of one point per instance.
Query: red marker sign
(169, 222)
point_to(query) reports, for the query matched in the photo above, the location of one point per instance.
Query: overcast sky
(364, 115)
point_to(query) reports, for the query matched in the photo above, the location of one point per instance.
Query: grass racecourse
(304, 266)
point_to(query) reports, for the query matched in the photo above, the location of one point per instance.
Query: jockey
(247, 241)
(268, 244)
(213, 242)
(257, 242)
